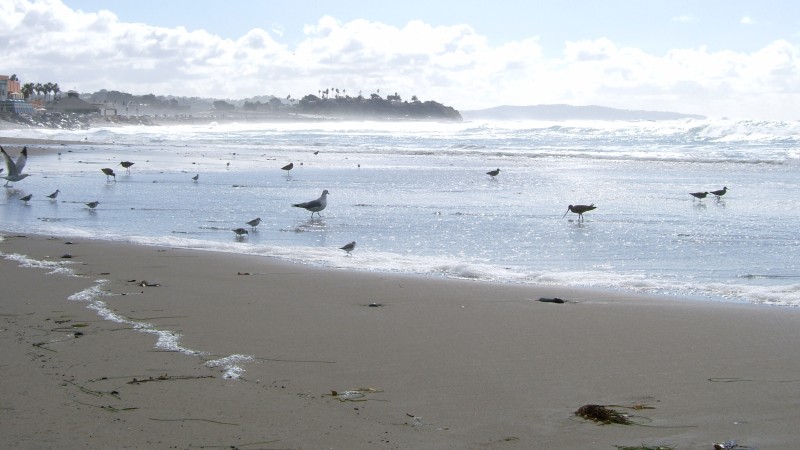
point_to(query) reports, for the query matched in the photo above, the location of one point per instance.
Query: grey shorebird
(109, 173)
(240, 232)
(92, 205)
(287, 168)
(14, 169)
(579, 210)
(720, 192)
(699, 195)
(315, 206)
(348, 247)
(54, 195)
(493, 173)
(127, 165)
(254, 223)
(27, 198)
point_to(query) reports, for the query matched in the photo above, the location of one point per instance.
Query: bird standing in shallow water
(699, 195)
(27, 198)
(719, 193)
(349, 247)
(53, 195)
(579, 210)
(14, 169)
(315, 206)
(196, 177)
(287, 168)
(240, 232)
(109, 173)
(92, 205)
(127, 165)
(254, 223)
(493, 173)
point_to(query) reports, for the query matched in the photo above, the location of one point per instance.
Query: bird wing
(22, 159)
(10, 166)
(308, 205)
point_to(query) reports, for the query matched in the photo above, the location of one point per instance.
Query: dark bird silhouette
(348, 247)
(127, 165)
(92, 205)
(719, 193)
(53, 195)
(240, 232)
(493, 173)
(288, 167)
(699, 195)
(254, 223)
(196, 177)
(27, 198)
(109, 173)
(316, 152)
(14, 169)
(579, 210)
(315, 206)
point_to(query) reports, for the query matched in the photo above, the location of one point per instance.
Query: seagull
(53, 195)
(288, 167)
(315, 206)
(349, 247)
(92, 205)
(109, 173)
(719, 193)
(27, 198)
(580, 209)
(493, 173)
(254, 223)
(240, 232)
(127, 165)
(14, 169)
(699, 195)
(196, 177)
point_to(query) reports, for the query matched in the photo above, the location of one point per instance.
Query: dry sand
(442, 364)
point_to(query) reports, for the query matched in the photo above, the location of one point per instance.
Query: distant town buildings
(11, 100)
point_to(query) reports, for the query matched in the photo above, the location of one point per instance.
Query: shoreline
(441, 363)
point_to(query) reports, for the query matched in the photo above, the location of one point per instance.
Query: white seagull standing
(315, 206)
(15, 169)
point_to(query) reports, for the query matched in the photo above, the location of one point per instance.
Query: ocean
(416, 198)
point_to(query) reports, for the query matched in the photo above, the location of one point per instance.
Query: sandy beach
(347, 359)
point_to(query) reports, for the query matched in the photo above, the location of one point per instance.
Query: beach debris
(731, 445)
(643, 447)
(353, 395)
(166, 377)
(243, 273)
(144, 283)
(416, 421)
(66, 256)
(552, 300)
(602, 415)
(375, 305)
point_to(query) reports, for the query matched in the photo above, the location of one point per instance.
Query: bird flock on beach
(14, 173)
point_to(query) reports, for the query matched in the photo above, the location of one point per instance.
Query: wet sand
(414, 362)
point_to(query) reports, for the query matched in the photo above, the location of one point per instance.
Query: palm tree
(48, 87)
(56, 89)
(39, 88)
(27, 90)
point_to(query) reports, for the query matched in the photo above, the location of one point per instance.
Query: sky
(719, 58)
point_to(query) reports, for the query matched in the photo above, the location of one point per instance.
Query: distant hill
(569, 112)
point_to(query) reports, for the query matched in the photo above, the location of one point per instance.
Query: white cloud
(44, 41)
(747, 20)
(685, 18)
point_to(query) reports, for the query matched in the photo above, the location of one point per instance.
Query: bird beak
(565, 214)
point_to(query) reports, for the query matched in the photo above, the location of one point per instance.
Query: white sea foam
(53, 267)
(166, 339)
